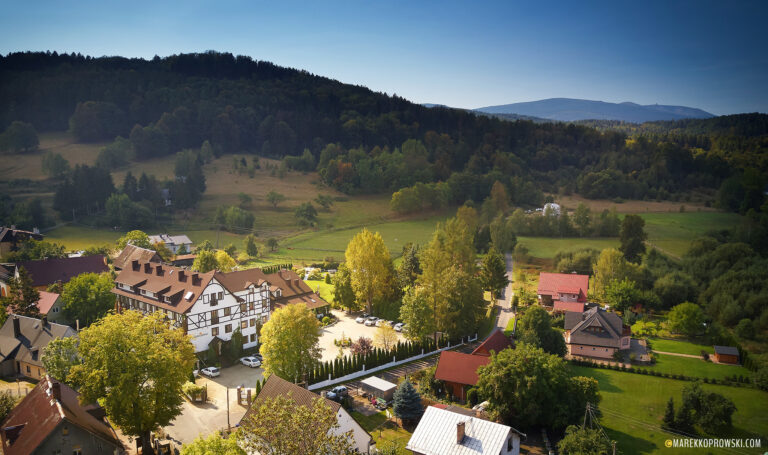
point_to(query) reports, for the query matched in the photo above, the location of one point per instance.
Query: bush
(326, 320)
(191, 389)
(472, 396)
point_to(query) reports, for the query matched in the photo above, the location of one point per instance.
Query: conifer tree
(407, 402)
(669, 414)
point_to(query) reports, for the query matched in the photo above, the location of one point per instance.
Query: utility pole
(229, 428)
(613, 443)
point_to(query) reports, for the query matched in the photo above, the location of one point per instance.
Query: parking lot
(347, 327)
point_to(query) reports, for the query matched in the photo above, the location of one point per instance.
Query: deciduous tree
(205, 261)
(22, 296)
(88, 297)
(583, 441)
(385, 337)
(632, 237)
(493, 272)
(686, 318)
(535, 328)
(251, 248)
(135, 366)
(214, 444)
(343, 294)
(290, 342)
(369, 264)
(417, 314)
(59, 356)
(135, 238)
(275, 198)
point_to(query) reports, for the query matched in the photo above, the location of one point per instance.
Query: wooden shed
(726, 354)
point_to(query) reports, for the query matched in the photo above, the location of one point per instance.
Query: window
(29, 370)
(228, 328)
(509, 444)
(214, 301)
(215, 317)
(593, 349)
(215, 331)
(244, 324)
(65, 430)
(252, 306)
(253, 338)
(253, 322)
(243, 307)
(263, 319)
(227, 311)
(221, 295)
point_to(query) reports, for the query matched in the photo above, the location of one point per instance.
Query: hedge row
(274, 268)
(734, 380)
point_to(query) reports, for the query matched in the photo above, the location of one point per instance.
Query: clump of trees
(19, 137)
(710, 411)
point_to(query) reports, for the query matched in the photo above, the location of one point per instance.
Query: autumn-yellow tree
(370, 265)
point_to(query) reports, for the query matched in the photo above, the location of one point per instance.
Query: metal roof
(378, 384)
(436, 435)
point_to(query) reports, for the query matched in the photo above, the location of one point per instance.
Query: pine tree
(407, 402)
(669, 414)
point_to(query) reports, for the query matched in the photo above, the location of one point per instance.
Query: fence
(394, 363)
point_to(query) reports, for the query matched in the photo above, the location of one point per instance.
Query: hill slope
(568, 109)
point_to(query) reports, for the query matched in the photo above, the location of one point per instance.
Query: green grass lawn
(633, 407)
(79, 237)
(673, 232)
(326, 290)
(679, 346)
(383, 431)
(695, 367)
(547, 247)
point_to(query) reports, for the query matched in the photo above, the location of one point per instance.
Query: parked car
(251, 361)
(361, 319)
(258, 356)
(371, 321)
(211, 372)
(399, 327)
(382, 322)
(338, 393)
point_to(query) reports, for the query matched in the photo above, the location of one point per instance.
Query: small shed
(378, 387)
(726, 354)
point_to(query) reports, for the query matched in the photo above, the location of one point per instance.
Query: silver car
(250, 361)
(211, 372)
(371, 321)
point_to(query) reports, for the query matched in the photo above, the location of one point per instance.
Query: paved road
(690, 356)
(505, 302)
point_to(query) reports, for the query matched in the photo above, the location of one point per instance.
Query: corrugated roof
(437, 431)
(40, 413)
(459, 367)
(48, 271)
(379, 384)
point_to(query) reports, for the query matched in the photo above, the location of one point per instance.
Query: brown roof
(48, 271)
(577, 307)
(496, 342)
(175, 283)
(311, 300)
(277, 386)
(15, 235)
(47, 299)
(133, 252)
(240, 280)
(459, 368)
(289, 282)
(595, 327)
(185, 257)
(33, 337)
(40, 413)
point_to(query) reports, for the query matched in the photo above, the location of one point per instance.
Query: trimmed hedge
(733, 381)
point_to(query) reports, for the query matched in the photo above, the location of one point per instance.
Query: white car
(399, 327)
(211, 372)
(371, 321)
(361, 319)
(250, 361)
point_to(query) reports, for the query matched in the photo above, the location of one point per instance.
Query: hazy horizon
(704, 55)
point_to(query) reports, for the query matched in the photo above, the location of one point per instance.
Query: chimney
(182, 276)
(147, 267)
(56, 390)
(159, 270)
(135, 265)
(296, 282)
(16, 327)
(460, 432)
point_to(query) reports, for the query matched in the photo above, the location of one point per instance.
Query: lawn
(633, 407)
(383, 431)
(679, 346)
(673, 232)
(695, 367)
(80, 237)
(326, 290)
(547, 247)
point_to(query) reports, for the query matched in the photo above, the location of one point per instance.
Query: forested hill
(360, 141)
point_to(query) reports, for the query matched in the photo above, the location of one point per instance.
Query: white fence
(329, 382)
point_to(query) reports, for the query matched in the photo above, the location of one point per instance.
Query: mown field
(633, 407)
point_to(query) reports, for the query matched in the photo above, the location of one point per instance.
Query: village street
(506, 312)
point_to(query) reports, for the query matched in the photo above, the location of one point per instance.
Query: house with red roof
(51, 306)
(458, 371)
(563, 292)
(50, 419)
(496, 342)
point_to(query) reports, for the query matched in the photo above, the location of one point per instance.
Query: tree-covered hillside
(359, 140)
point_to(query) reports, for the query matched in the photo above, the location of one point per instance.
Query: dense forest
(366, 142)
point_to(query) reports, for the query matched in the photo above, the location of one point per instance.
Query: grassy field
(679, 346)
(326, 290)
(547, 247)
(673, 232)
(383, 431)
(633, 407)
(695, 367)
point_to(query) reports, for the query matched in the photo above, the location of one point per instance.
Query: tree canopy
(369, 264)
(290, 342)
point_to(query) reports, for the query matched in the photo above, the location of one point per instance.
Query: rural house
(458, 371)
(496, 342)
(51, 420)
(595, 333)
(175, 243)
(133, 252)
(51, 307)
(22, 340)
(45, 272)
(563, 292)
(726, 354)
(7, 271)
(289, 288)
(10, 238)
(443, 432)
(276, 386)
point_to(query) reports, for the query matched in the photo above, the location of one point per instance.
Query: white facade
(361, 440)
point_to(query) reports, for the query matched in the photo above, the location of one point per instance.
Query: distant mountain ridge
(569, 110)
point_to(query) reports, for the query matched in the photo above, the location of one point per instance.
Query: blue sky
(707, 54)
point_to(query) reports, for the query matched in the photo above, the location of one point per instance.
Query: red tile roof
(41, 412)
(567, 283)
(459, 368)
(496, 342)
(176, 283)
(49, 271)
(47, 299)
(577, 307)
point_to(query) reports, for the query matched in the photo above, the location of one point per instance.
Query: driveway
(505, 302)
(347, 327)
(203, 419)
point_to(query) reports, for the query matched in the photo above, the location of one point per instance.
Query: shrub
(472, 396)
(326, 320)
(191, 389)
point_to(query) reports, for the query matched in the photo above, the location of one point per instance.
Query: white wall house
(203, 304)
